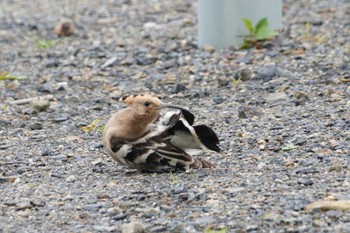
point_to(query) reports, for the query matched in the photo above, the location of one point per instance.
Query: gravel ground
(281, 112)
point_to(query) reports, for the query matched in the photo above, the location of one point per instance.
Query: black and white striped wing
(152, 154)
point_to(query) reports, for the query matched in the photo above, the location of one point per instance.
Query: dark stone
(244, 74)
(246, 59)
(6, 123)
(7, 179)
(340, 179)
(241, 113)
(198, 78)
(96, 146)
(276, 127)
(97, 108)
(70, 75)
(299, 141)
(218, 99)
(141, 197)
(119, 217)
(223, 81)
(97, 169)
(170, 63)
(183, 196)
(4, 146)
(44, 88)
(143, 61)
(52, 63)
(267, 73)
(305, 170)
(196, 93)
(179, 87)
(38, 203)
(128, 61)
(36, 126)
(27, 111)
(45, 153)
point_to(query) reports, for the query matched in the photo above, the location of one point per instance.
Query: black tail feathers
(208, 137)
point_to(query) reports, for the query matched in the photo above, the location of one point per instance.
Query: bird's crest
(131, 99)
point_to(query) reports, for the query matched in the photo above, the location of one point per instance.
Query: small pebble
(133, 227)
(23, 206)
(37, 202)
(179, 188)
(178, 88)
(71, 179)
(36, 126)
(219, 99)
(105, 228)
(306, 182)
(61, 118)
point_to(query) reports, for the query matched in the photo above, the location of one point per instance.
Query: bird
(151, 136)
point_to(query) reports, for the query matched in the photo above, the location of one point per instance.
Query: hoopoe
(141, 136)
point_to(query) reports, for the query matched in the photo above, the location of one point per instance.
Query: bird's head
(143, 104)
(149, 105)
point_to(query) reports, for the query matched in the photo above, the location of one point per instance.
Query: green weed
(7, 76)
(261, 32)
(208, 230)
(44, 43)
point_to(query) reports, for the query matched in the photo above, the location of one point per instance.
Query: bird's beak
(185, 112)
(171, 106)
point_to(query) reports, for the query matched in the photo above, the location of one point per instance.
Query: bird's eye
(147, 104)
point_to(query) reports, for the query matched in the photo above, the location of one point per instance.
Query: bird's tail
(208, 137)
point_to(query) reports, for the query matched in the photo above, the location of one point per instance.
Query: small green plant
(32, 185)
(308, 27)
(290, 147)
(235, 82)
(44, 43)
(194, 175)
(92, 126)
(209, 230)
(7, 76)
(307, 35)
(6, 108)
(259, 33)
(100, 128)
(173, 177)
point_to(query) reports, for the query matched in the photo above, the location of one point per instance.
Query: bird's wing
(155, 152)
(178, 130)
